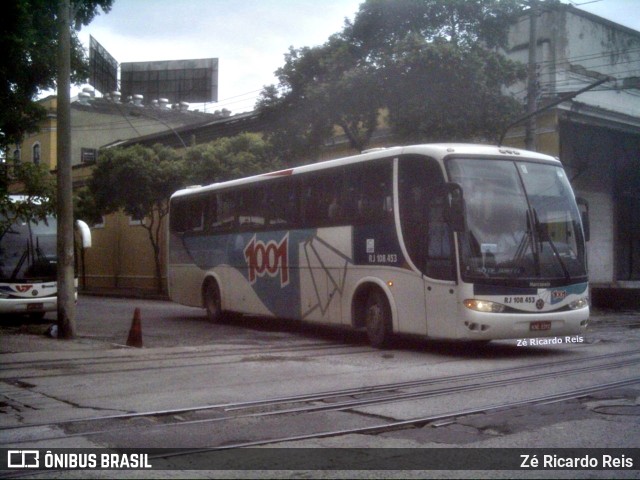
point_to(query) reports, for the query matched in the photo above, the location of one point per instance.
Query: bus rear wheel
(378, 320)
(211, 300)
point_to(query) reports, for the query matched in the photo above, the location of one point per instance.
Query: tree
(229, 158)
(432, 64)
(443, 75)
(138, 180)
(295, 125)
(381, 24)
(29, 44)
(319, 88)
(442, 92)
(37, 185)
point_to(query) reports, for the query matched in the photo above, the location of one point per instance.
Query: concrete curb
(124, 293)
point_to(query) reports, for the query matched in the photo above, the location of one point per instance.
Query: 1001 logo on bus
(269, 258)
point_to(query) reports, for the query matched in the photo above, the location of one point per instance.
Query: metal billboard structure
(103, 68)
(176, 80)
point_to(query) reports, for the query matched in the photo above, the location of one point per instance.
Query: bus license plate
(540, 326)
(38, 307)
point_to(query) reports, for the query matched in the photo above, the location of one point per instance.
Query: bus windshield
(521, 222)
(28, 251)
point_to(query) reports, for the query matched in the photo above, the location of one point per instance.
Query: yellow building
(40, 148)
(121, 256)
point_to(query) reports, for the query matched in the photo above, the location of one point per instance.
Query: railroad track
(225, 416)
(422, 421)
(106, 363)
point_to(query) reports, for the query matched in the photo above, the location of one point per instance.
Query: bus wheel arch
(372, 309)
(212, 299)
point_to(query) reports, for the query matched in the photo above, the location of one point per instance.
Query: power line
(583, 3)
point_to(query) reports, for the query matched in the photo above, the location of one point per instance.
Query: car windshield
(522, 221)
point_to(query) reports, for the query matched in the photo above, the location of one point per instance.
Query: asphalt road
(188, 363)
(166, 324)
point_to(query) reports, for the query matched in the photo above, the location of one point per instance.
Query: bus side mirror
(583, 206)
(456, 206)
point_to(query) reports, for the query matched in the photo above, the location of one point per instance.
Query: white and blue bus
(28, 264)
(442, 241)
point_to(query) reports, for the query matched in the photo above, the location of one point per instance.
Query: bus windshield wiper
(543, 232)
(524, 242)
(531, 234)
(16, 270)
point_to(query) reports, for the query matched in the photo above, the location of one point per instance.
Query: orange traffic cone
(135, 334)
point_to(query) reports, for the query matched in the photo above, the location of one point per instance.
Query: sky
(248, 37)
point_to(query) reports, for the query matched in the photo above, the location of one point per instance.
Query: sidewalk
(136, 293)
(605, 325)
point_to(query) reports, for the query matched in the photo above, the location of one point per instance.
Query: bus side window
(212, 217)
(321, 202)
(251, 207)
(291, 205)
(226, 212)
(281, 204)
(197, 215)
(178, 223)
(367, 195)
(187, 216)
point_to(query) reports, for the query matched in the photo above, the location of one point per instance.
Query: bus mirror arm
(456, 206)
(583, 205)
(85, 233)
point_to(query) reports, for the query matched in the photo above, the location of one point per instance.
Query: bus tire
(211, 301)
(378, 319)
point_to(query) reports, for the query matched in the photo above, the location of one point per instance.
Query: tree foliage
(28, 42)
(439, 92)
(85, 207)
(37, 186)
(318, 89)
(381, 25)
(138, 180)
(433, 65)
(229, 158)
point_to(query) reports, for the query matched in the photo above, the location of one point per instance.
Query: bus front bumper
(483, 326)
(28, 305)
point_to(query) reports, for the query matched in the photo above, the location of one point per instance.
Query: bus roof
(25, 198)
(32, 199)
(436, 150)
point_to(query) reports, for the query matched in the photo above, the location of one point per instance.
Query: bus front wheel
(211, 300)
(378, 320)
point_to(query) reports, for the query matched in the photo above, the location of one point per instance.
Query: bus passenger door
(428, 238)
(442, 309)
(440, 286)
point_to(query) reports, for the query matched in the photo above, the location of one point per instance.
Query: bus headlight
(484, 306)
(579, 303)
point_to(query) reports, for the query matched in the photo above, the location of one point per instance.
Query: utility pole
(532, 87)
(66, 284)
(548, 106)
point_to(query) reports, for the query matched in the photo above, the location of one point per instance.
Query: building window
(100, 224)
(135, 220)
(16, 155)
(88, 155)
(35, 153)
